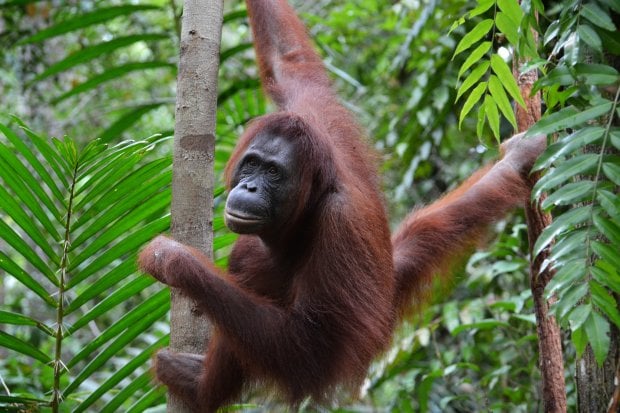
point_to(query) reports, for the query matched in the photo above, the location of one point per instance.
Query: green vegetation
(78, 325)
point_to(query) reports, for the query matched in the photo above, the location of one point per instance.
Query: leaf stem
(59, 334)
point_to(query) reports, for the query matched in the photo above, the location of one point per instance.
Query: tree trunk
(194, 145)
(596, 387)
(551, 362)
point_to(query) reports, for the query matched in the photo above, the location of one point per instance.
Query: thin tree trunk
(194, 145)
(551, 362)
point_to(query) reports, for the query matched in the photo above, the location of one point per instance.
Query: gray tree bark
(194, 145)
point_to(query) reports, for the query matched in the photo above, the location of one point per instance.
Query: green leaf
(123, 246)
(7, 317)
(450, 313)
(570, 193)
(568, 273)
(111, 74)
(609, 228)
(615, 138)
(570, 298)
(597, 16)
(223, 241)
(597, 329)
(472, 78)
(473, 98)
(126, 224)
(610, 203)
(134, 388)
(22, 347)
(480, 121)
(607, 252)
(123, 373)
(512, 10)
(580, 340)
(552, 32)
(612, 171)
(564, 222)
(596, 74)
(508, 27)
(157, 395)
(233, 51)
(99, 15)
(605, 302)
(21, 173)
(126, 121)
(487, 324)
(33, 162)
(474, 57)
(481, 7)
(125, 291)
(567, 118)
(569, 247)
(8, 235)
(590, 37)
(95, 185)
(151, 304)
(21, 183)
(610, 41)
(8, 265)
(88, 54)
(113, 278)
(565, 171)
(607, 275)
(157, 188)
(477, 33)
(53, 158)
(578, 316)
(501, 99)
(492, 115)
(17, 214)
(561, 75)
(111, 350)
(503, 72)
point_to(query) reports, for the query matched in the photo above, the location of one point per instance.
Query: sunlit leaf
(508, 27)
(474, 57)
(512, 10)
(474, 97)
(503, 72)
(501, 99)
(492, 115)
(472, 78)
(477, 33)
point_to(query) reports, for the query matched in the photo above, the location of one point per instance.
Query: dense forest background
(86, 118)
